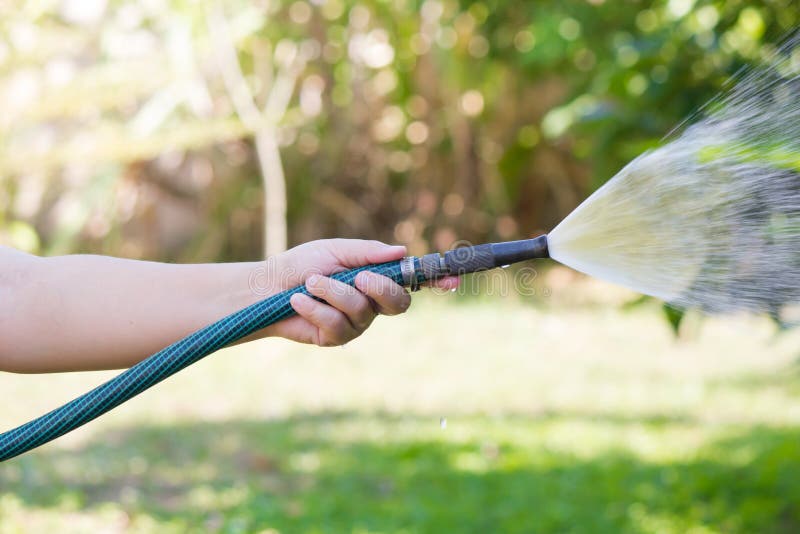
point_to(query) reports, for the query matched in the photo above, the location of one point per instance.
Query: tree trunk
(269, 159)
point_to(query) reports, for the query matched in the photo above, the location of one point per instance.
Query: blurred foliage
(414, 122)
(674, 317)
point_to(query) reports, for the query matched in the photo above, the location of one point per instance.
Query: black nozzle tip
(487, 256)
(509, 252)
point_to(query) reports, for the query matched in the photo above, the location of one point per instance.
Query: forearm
(94, 312)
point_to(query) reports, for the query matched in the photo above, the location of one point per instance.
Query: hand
(347, 311)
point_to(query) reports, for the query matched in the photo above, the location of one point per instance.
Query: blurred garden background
(193, 131)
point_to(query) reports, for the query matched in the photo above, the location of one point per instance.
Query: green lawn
(564, 414)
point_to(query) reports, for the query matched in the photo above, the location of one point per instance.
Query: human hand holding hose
(347, 311)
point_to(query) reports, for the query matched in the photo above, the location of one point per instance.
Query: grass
(565, 414)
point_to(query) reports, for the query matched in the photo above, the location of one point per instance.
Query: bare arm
(95, 312)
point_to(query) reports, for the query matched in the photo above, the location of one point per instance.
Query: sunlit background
(199, 132)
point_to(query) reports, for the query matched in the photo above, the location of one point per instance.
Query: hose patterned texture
(165, 363)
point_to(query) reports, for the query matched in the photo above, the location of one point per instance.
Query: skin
(82, 312)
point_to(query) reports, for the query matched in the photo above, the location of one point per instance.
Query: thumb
(358, 252)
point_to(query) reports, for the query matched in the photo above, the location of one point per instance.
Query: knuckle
(338, 329)
(362, 309)
(339, 242)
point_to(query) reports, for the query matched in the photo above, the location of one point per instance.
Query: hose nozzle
(465, 260)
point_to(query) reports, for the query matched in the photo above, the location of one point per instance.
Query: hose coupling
(409, 272)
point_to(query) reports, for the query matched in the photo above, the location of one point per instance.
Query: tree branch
(232, 76)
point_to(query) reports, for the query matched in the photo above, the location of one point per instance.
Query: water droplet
(453, 290)
(443, 422)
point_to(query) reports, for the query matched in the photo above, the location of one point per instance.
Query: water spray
(710, 220)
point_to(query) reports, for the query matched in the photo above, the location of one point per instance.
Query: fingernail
(298, 301)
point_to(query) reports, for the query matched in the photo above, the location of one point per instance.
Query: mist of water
(710, 219)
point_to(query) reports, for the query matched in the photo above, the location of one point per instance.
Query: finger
(296, 328)
(447, 283)
(332, 327)
(358, 252)
(347, 299)
(389, 297)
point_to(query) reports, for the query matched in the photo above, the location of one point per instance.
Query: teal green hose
(165, 363)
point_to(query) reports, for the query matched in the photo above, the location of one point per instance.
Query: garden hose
(409, 272)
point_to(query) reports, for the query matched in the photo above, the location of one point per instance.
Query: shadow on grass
(343, 472)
